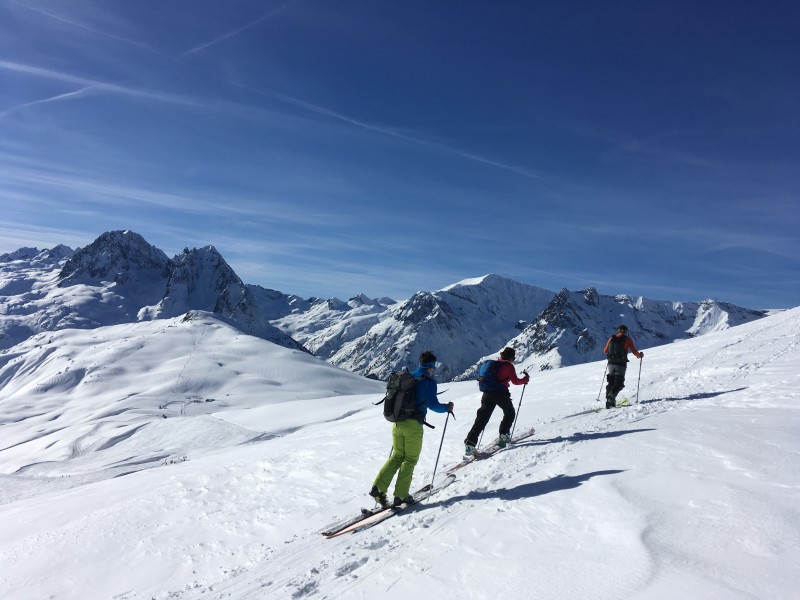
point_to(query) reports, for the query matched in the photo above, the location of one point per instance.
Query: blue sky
(330, 148)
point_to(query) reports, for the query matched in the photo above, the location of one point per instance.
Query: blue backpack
(487, 376)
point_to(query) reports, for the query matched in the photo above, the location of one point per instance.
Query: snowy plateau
(168, 432)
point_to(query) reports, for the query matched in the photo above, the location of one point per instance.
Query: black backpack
(487, 376)
(400, 402)
(616, 350)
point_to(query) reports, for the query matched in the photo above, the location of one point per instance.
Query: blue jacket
(426, 392)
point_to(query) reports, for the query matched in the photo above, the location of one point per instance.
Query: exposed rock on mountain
(120, 278)
(458, 322)
(575, 326)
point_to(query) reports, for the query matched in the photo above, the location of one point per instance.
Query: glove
(641, 355)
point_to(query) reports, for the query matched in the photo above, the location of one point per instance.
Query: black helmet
(508, 354)
(623, 328)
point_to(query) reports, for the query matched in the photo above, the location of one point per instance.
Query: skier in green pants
(407, 437)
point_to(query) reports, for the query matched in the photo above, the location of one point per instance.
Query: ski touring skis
(491, 450)
(371, 517)
(623, 401)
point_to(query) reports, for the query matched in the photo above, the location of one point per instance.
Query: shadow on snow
(581, 437)
(703, 396)
(527, 490)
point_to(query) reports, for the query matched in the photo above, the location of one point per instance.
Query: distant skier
(616, 350)
(407, 437)
(497, 394)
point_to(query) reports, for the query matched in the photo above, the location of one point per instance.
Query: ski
(588, 411)
(370, 517)
(493, 449)
(621, 403)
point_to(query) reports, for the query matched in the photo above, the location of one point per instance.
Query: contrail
(79, 25)
(97, 85)
(75, 94)
(321, 110)
(237, 31)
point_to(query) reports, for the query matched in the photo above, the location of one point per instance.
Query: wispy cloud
(309, 107)
(110, 194)
(90, 84)
(14, 236)
(66, 96)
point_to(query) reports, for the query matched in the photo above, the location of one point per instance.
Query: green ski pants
(407, 446)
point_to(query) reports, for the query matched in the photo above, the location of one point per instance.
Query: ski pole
(601, 383)
(430, 491)
(638, 381)
(514, 424)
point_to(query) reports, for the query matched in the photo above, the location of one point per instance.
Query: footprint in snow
(352, 566)
(378, 544)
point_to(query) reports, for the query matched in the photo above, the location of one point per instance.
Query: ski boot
(379, 497)
(408, 501)
(503, 440)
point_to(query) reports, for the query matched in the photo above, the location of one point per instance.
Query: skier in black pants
(501, 397)
(616, 350)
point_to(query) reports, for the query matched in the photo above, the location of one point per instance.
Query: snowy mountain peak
(19, 254)
(362, 300)
(591, 296)
(470, 282)
(197, 280)
(34, 256)
(121, 278)
(459, 323)
(490, 280)
(574, 326)
(57, 253)
(115, 256)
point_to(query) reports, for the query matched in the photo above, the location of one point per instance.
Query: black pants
(489, 400)
(616, 380)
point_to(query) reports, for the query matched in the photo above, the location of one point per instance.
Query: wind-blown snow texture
(690, 493)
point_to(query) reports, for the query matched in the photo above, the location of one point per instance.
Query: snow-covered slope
(26, 278)
(689, 493)
(325, 326)
(76, 401)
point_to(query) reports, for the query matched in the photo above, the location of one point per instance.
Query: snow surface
(690, 493)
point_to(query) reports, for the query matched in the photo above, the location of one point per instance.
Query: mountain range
(120, 278)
